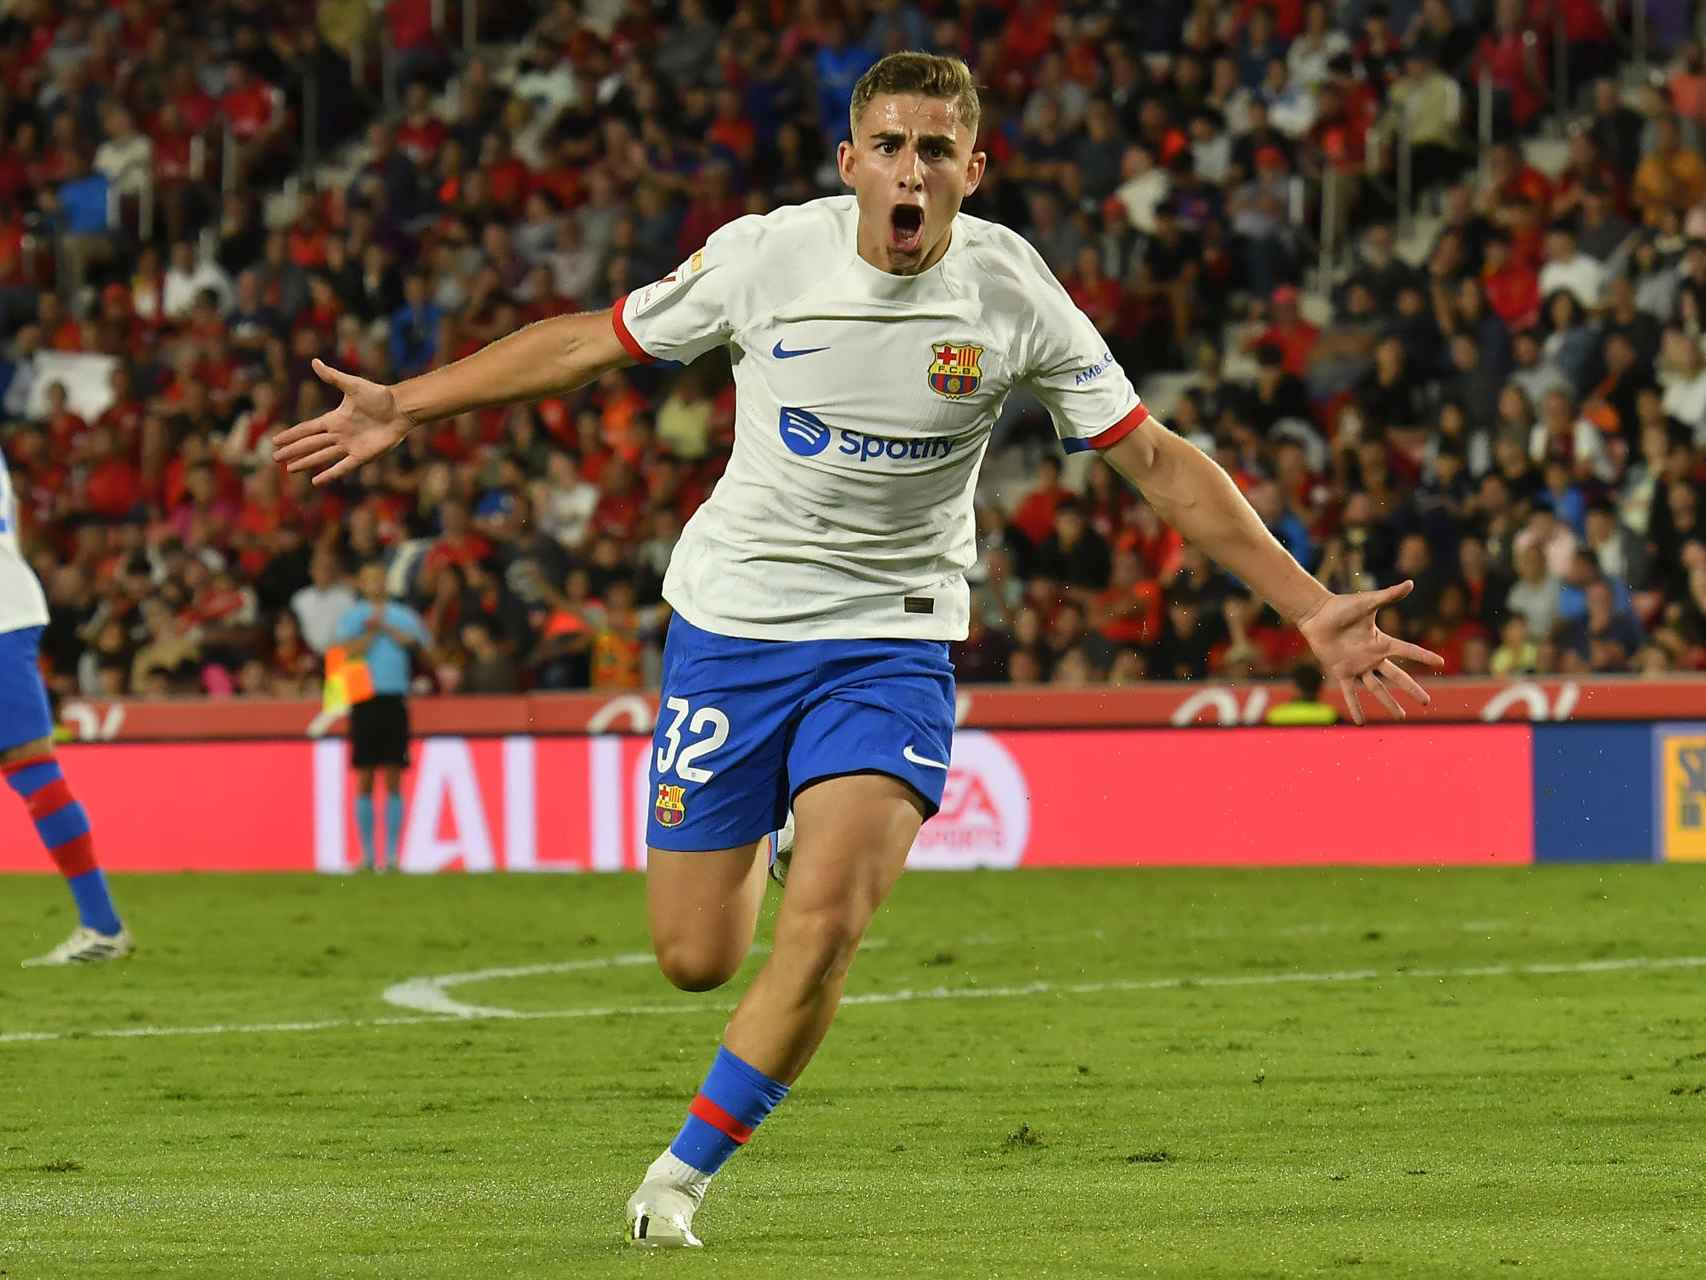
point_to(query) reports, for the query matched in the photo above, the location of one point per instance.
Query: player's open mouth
(906, 228)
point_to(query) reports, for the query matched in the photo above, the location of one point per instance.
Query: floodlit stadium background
(1427, 279)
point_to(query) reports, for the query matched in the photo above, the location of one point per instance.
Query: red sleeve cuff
(1121, 429)
(629, 342)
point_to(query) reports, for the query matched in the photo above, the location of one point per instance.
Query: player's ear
(844, 160)
(974, 170)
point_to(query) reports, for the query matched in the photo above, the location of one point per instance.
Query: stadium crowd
(1517, 423)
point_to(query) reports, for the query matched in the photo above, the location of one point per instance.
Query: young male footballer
(874, 338)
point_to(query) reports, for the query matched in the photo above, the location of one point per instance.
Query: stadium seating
(1430, 282)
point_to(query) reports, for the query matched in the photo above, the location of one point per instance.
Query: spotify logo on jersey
(804, 433)
(808, 435)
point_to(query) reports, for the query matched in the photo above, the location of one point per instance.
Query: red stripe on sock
(18, 766)
(717, 1118)
(50, 799)
(75, 857)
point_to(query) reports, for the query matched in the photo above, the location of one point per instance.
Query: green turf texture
(1528, 1124)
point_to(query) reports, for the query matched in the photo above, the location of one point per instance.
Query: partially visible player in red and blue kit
(29, 765)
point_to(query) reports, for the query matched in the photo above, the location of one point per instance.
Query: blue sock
(364, 826)
(63, 827)
(735, 1096)
(94, 903)
(393, 828)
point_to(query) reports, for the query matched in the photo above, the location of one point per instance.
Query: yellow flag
(348, 681)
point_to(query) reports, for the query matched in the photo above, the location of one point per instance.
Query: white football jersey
(21, 601)
(863, 406)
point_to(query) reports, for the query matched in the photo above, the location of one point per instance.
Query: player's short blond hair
(927, 74)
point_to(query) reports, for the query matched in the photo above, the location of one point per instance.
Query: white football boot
(660, 1212)
(779, 845)
(85, 946)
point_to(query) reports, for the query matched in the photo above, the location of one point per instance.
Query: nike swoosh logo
(915, 758)
(782, 353)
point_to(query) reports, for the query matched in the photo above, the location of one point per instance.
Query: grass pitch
(1192, 1074)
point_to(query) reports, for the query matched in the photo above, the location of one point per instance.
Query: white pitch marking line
(430, 995)
(871, 998)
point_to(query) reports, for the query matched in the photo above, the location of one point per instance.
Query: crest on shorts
(956, 370)
(671, 806)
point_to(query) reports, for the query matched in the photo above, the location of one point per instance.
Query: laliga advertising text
(1012, 797)
(580, 804)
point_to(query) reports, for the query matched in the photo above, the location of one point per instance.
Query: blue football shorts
(744, 725)
(24, 711)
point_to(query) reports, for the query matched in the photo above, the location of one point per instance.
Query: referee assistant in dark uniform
(385, 634)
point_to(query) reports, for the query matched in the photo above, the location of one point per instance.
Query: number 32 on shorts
(711, 728)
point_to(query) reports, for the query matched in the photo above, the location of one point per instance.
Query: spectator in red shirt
(731, 129)
(713, 206)
(1452, 629)
(1511, 180)
(410, 25)
(508, 178)
(251, 107)
(1094, 292)
(1128, 612)
(1290, 332)
(18, 161)
(172, 138)
(1515, 57)
(305, 243)
(458, 543)
(1159, 547)
(422, 134)
(60, 330)
(1589, 48)
(265, 510)
(193, 108)
(1359, 104)
(1028, 33)
(248, 104)
(64, 428)
(15, 270)
(1512, 287)
(623, 506)
(123, 417)
(112, 487)
(1035, 516)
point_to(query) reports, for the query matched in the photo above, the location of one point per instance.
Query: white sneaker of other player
(85, 946)
(660, 1212)
(780, 847)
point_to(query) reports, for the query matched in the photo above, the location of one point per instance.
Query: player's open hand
(1353, 650)
(365, 425)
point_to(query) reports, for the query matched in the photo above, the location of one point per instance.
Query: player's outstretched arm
(542, 359)
(1191, 493)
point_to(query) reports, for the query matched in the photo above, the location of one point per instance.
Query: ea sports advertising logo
(804, 433)
(985, 819)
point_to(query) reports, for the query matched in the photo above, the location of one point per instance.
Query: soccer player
(874, 338)
(384, 632)
(28, 762)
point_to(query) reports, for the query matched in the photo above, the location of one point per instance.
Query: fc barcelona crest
(671, 807)
(957, 369)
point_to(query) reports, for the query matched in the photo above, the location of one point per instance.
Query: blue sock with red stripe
(64, 829)
(735, 1097)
